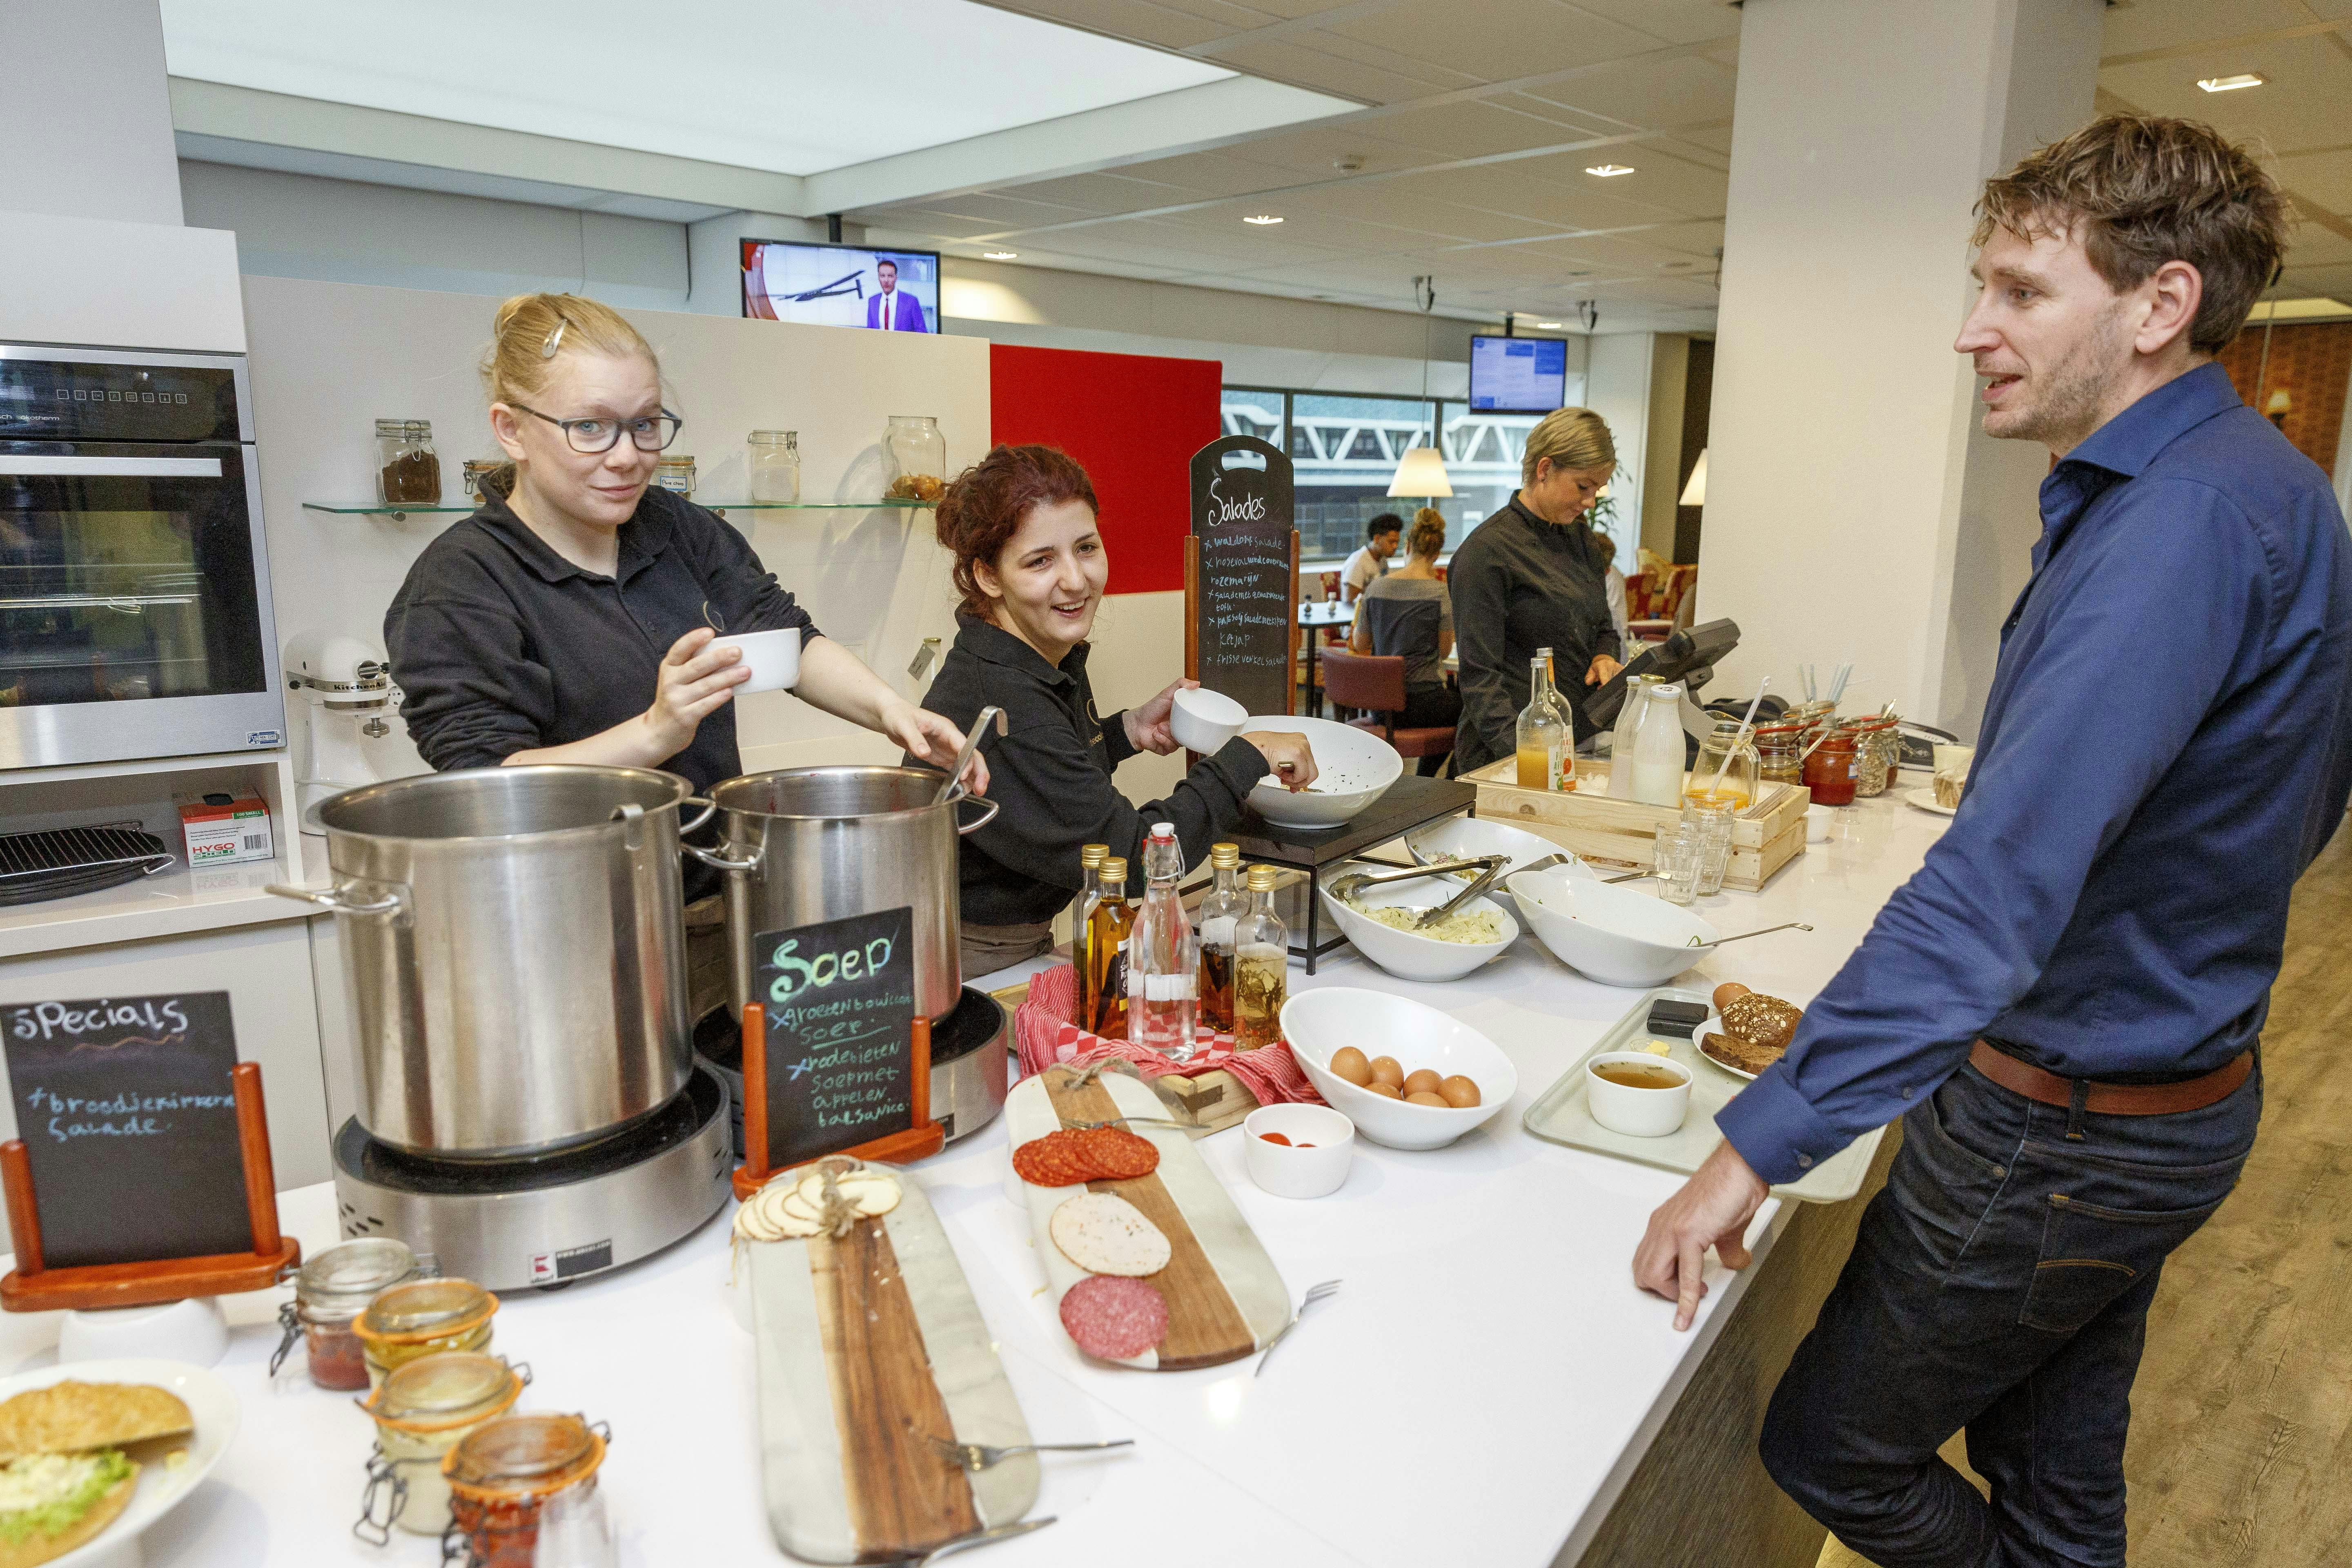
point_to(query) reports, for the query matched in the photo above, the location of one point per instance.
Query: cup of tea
(1638, 1094)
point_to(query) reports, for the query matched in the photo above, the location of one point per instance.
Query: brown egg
(1424, 1098)
(1728, 992)
(1389, 1089)
(1421, 1081)
(1387, 1069)
(1459, 1093)
(1348, 1062)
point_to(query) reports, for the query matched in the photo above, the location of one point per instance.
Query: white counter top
(1478, 1392)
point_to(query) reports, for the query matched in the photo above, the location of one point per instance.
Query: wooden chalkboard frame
(924, 1137)
(1208, 461)
(31, 1288)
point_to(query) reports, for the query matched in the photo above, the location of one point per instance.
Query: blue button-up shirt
(2166, 744)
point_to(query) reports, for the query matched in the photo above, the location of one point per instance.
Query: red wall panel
(1135, 421)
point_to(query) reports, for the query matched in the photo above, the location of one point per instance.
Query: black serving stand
(1411, 801)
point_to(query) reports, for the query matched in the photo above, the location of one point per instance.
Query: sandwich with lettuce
(64, 1476)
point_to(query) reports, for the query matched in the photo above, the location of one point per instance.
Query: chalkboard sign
(840, 1003)
(1241, 609)
(128, 1115)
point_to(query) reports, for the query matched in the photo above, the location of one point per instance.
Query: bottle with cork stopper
(1261, 965)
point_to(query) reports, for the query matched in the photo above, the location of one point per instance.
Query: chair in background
(1659, 601)
(1375, 687)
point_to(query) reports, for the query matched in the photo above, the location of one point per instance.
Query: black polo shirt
(1520, 583)
(502, 645)
(1050, 774)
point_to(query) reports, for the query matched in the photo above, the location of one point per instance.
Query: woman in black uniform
(1031, 565)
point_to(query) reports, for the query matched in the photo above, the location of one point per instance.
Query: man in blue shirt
(2063, 1004)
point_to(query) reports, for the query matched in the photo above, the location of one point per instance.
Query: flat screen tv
(841, 284)
(1517, 375)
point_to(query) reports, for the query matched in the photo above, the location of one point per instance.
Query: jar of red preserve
(522, 1490)
(330, 1291)
(1829, 771)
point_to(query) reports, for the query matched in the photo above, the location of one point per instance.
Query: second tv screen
(842, 286)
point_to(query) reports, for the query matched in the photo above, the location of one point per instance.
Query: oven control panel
(65, 399)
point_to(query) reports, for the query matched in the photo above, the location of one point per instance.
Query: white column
(84, 114)
(1854, 509)
(1617, 386)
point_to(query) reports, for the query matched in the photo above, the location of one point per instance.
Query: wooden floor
(2241, 1421)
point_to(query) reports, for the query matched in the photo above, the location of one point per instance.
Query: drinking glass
(1678, 862)
(1711, 819)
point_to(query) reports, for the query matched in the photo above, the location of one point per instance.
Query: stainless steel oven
(134, 583)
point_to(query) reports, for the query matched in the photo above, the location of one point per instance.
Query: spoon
(971, 744)
(1743, 936)
(1348, 885)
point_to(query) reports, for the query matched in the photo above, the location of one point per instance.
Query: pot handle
(994, 807)
(708, 807)
(338, 901)
(718, 860)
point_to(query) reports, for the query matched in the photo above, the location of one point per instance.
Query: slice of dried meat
(1113, 1318)
(1043, 1163)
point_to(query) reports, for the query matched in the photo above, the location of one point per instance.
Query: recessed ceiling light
(1547, 326)
(1610, 171)
(1261, 218)
(2231, 83)
(1000, 254)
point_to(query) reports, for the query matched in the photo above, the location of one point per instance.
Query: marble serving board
(1562, 1115)
(1225, 1299)
(867, 1345)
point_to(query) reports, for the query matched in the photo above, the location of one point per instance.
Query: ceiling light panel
(792, 87)
(2231, 83)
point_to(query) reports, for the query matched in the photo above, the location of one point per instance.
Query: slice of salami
(1042, 1162)
(1113, 1318)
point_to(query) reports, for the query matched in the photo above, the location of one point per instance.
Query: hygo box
(223, 829)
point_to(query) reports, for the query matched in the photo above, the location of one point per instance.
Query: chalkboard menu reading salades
(1244, 583)
(127, 1116)
(840, 1003)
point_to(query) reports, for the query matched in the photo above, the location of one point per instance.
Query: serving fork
(1128, 1121)
(1329, 1288)
(978, 1457)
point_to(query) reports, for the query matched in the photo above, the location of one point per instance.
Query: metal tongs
(1489, 867)
(971, 744)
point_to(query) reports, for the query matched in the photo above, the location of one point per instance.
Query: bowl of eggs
(1405, 1074)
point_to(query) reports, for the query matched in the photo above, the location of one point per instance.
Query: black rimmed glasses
(650, 432)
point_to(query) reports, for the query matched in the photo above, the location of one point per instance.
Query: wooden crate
(1623, 833)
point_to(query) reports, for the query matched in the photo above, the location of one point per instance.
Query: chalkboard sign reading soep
(128, 1115)
(840, 1003)
(1246, 582)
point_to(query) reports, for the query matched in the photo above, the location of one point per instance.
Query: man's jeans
(2000, 1282)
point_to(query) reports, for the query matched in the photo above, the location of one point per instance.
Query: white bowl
(1614, 935)
(1353, 768)
(1466, 838)
(162, 1488)
(1203, 720)
(774, 658)
(1290, 1172)
(1318, 1022)
(1637, 1113)
(1402, 952)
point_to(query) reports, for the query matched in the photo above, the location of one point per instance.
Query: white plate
(1714, 1024)
(1925, 799)
(160, 1487)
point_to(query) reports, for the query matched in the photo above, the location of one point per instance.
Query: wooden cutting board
(867, 1345)
(1224, 1297)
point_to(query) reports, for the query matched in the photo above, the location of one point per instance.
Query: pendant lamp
(1694, 492)
(1421, 470)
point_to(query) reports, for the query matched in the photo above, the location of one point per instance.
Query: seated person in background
(1409, 613)
(1371, 560)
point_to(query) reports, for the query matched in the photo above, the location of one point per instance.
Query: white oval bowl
(1402, 954)
(1202, 721)
(1466, 838)
(1353, 768)
(1318, 1022)
(1614, 935)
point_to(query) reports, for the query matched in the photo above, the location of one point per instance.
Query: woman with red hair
(1030, 564)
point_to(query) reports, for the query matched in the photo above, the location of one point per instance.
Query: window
(1260, 411)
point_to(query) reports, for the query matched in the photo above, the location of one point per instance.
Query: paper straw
(1844, 672)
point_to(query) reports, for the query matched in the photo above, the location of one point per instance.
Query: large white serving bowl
(1402, 954)
(162, 1488)
(1467, 837)
(1614, 935)
(1318, 1022)
(1353, 768)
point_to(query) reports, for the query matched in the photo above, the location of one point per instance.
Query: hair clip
(554, 339)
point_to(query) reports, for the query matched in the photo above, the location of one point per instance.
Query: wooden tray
(1224, 1297)
(1562, 1115)
(1766, 837)
(866, 1346)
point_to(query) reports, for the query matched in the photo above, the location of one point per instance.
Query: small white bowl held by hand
(1409, 955)
(1313, 1164)
(773, 657)
(1318, 1022)
(1202, 721)
(1614, 935)
(1637, 1111)
(1353, 768)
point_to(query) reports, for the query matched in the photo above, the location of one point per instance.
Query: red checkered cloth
(1042, 1028)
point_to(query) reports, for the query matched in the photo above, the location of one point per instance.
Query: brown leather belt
(2112, 1099)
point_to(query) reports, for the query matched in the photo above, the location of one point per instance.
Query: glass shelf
(401, 510)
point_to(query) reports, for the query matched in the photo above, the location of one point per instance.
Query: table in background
(1411, 801)
(1314, 617)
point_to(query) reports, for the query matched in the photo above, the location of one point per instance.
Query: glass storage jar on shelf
(675, 473)
(1728, 769)
(330, 1291)
(916, 456)
(423, 1411)
(775, 465)
(424, 1318)
(407, 469)
(475, 470)
(1780, 750)
(523, 1494)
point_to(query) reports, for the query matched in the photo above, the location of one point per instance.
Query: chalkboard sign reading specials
(128, 1114)
(1243, 574)
(840, 1002)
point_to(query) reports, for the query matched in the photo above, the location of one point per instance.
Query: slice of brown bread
(1745, 1054)
(69, 1418)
